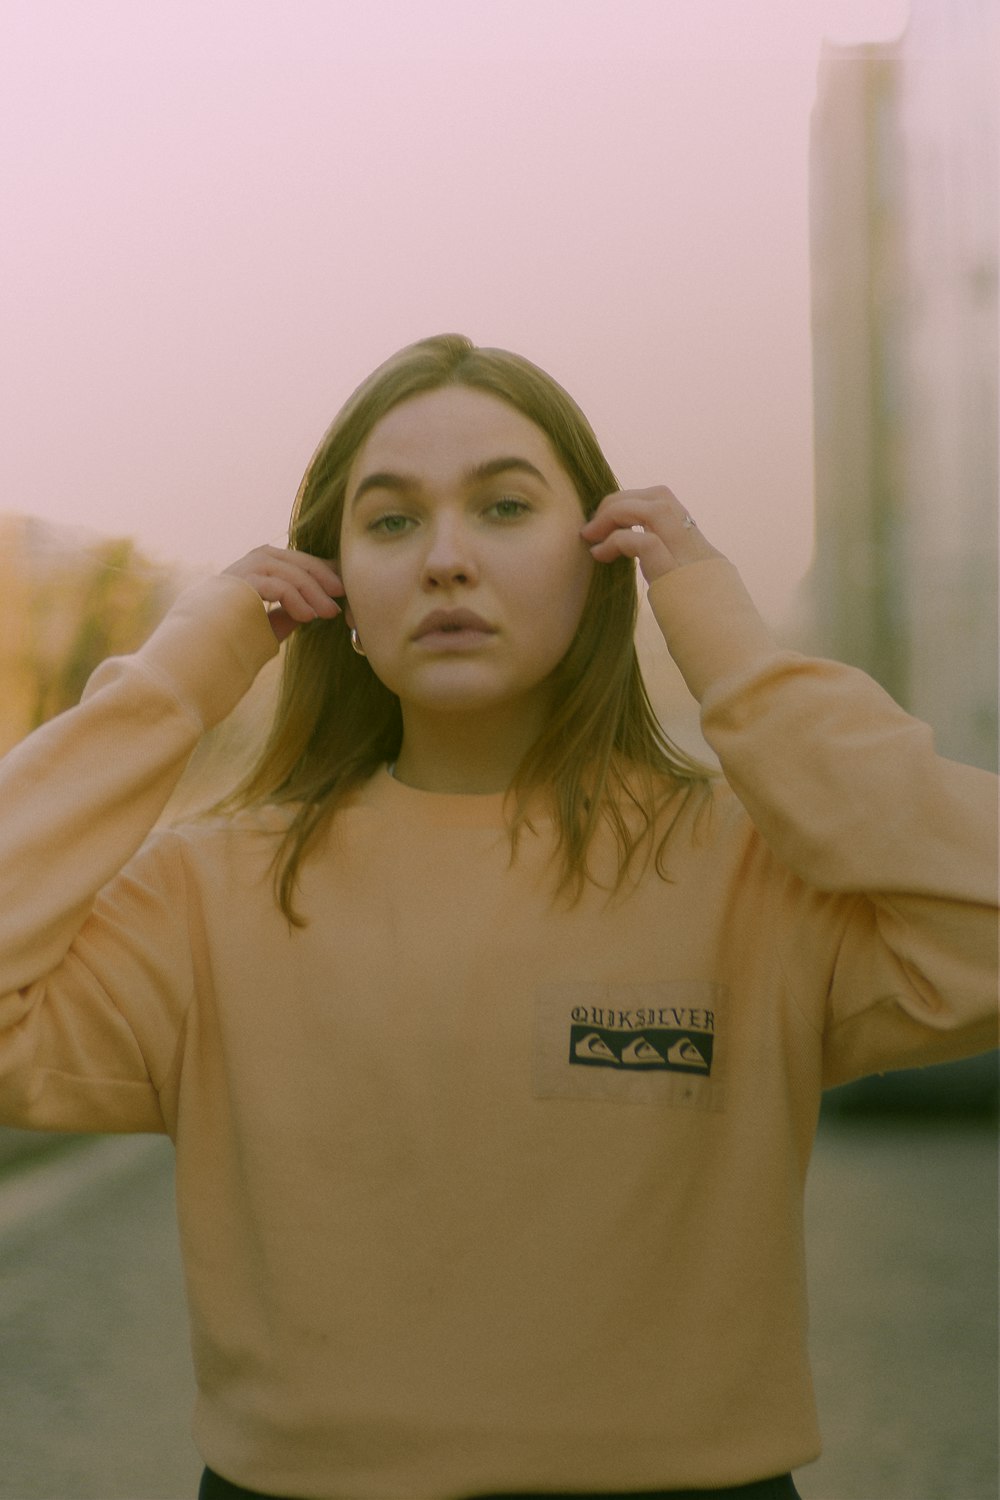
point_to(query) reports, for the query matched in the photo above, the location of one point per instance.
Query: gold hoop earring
(356, 643)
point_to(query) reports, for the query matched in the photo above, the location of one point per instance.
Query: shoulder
(199, 846)
(263, 823)
(707, 814)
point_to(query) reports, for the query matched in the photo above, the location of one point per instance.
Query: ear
(348, 613)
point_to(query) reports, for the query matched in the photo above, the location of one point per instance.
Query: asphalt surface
(96, 1389)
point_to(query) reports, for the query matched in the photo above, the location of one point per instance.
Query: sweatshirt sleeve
(94, 966)
(895, 847)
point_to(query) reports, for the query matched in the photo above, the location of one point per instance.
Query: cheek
(369, 589)
(374, 608)
(564, 584)
(579, 574)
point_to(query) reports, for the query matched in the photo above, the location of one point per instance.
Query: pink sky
(219, 216)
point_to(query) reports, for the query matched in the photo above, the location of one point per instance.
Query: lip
(460, 626)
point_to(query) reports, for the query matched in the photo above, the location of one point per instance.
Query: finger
(269, 557)
(324, 571)
(648, 549)
(289, 563)
(656, 508)
(281, 623)
(303, 585)
(656, 511)
(303, 600)
(316, 586)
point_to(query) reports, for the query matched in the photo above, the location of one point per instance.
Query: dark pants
(214, 1487)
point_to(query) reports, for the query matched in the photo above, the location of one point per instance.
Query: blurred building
(904, 272)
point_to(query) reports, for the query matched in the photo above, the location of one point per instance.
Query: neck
(474, 754)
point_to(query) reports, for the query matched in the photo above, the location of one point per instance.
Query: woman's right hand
(295, 586)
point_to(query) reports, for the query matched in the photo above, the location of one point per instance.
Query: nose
(450, 555)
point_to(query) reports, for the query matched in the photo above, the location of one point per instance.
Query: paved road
(95, 1385)
(902, 1236)
(95, 1389)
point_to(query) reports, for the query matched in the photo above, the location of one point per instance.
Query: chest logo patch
(643, 1043)
(592, 1047)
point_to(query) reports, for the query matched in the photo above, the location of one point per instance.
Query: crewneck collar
(443, 809)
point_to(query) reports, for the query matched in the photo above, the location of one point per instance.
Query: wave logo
(642, 1051)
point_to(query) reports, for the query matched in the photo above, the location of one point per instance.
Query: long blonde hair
(602, 756)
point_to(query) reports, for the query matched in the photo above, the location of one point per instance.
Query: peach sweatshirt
(478, 1193)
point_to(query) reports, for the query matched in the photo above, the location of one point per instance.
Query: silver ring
(687, 522)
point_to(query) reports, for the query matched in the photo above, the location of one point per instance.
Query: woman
(489, 1028)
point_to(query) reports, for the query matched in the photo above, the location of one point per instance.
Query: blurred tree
(71, 602)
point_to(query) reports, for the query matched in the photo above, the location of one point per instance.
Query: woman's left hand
(651, 525)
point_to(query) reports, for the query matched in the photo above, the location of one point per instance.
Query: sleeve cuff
(209, 647)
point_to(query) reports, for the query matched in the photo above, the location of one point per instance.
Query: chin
(455, 701)
(459, 692)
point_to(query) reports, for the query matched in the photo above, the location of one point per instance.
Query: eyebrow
(403, 484)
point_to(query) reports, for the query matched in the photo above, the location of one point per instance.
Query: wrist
(711, 625)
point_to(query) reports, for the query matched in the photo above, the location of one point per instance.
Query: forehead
(445, 431)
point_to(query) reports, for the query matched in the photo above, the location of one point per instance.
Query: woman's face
(461, 554)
